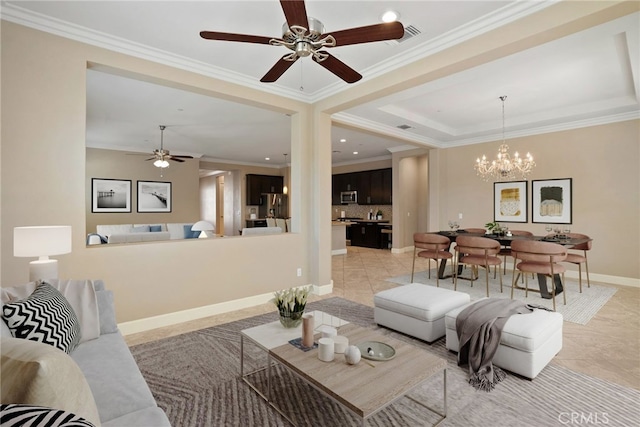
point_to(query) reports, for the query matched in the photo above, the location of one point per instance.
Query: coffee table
(363, 389)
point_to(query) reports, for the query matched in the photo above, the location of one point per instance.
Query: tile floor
(608, 347)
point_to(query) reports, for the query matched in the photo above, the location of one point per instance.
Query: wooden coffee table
(363, 389)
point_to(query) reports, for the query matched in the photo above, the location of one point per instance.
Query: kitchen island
(368, 233)
(339, 237)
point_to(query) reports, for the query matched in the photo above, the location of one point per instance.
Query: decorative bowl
(376, 350)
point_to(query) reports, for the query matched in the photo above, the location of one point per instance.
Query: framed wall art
(154, 196)
(510, 201)
(110, 195)
(551, 201)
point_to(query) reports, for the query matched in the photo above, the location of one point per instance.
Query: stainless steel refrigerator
(274, 205)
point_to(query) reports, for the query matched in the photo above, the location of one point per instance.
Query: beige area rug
(580, 308)
(194, 378)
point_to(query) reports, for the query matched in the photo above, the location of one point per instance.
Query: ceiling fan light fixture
(161, 163)
(390, 16)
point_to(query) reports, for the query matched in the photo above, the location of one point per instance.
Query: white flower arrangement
(291, 300)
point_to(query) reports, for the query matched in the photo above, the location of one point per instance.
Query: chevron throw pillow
(13, 415)
(45, 316)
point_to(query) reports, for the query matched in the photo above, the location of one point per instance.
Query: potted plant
(379, 214)
(493, 227)
(291, 303)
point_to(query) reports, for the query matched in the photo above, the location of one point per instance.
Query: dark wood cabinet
(259, 184)
(365, 234)
(373, 187)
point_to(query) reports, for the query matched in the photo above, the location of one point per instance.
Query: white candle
(325, 349)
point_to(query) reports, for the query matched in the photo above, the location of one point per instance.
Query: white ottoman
(417, 310)
(528, 341)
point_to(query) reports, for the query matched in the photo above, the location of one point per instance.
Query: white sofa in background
(131, 233)
(257, 231)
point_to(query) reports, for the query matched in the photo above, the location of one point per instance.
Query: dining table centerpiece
(291, 303)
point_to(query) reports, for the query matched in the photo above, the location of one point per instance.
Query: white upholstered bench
(527, 344)
(417, 310)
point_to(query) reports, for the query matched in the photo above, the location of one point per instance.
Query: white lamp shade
(41, 241)
(202, 227)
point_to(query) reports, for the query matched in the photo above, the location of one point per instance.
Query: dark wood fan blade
(339, 68)
(173, 158)
(370, 33)
(150, 158)
(182, 157)
(231, 37)
(277, 70)
(295, 12)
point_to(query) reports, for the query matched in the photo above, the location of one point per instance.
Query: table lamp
(42, 241)
(202, 227)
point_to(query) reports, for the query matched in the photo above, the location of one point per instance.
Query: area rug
(580, 308)
(194, 378)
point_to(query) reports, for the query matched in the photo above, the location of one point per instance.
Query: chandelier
(504, 168)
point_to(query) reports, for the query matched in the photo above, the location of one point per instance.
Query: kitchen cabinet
(259, 184)
(373, 187)
(365, 234)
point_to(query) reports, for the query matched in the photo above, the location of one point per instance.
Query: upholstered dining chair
(579, 258)
(282, 224)
(531, 256)
(433, 247)
(271, 222)
(506, 251)
(477, 252)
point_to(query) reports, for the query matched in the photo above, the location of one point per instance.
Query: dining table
(505, 240)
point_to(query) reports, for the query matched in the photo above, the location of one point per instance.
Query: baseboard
(604, 278)
(154, 322)
(339, 251)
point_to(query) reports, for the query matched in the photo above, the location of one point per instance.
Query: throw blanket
(479, 328)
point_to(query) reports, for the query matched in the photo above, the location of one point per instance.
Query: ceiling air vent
(409, 32)
(404, 127)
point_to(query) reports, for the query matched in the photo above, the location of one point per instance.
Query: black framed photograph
(110, 195)
(551, 201)
(154, 196)
(510, 201)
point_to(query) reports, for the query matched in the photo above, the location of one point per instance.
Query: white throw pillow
(38, 374)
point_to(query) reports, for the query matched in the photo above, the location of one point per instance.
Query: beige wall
(44, 182)
(603, 162)
(109, 164)
(44, 178)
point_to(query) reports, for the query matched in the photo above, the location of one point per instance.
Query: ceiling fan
(305, 36)
(161, 156)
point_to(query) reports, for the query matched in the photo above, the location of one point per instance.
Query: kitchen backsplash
(360, 211)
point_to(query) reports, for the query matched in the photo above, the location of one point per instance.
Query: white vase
(352, 355)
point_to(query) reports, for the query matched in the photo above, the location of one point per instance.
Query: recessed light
(267, 158)
(355, 152)
(343, 140)
(390, 16)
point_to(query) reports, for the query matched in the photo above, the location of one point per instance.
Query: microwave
(348, 197)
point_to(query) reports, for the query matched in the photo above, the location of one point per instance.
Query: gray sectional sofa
(121, 395)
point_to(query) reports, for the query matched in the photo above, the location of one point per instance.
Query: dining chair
(433, 247)
(531, 256)
(477, 252)
(579, 258)
(505, 251)
(282, 224)
(287, 223)
(271, 222)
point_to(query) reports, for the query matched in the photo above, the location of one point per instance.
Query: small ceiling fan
(161, 156)
(305, 36)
